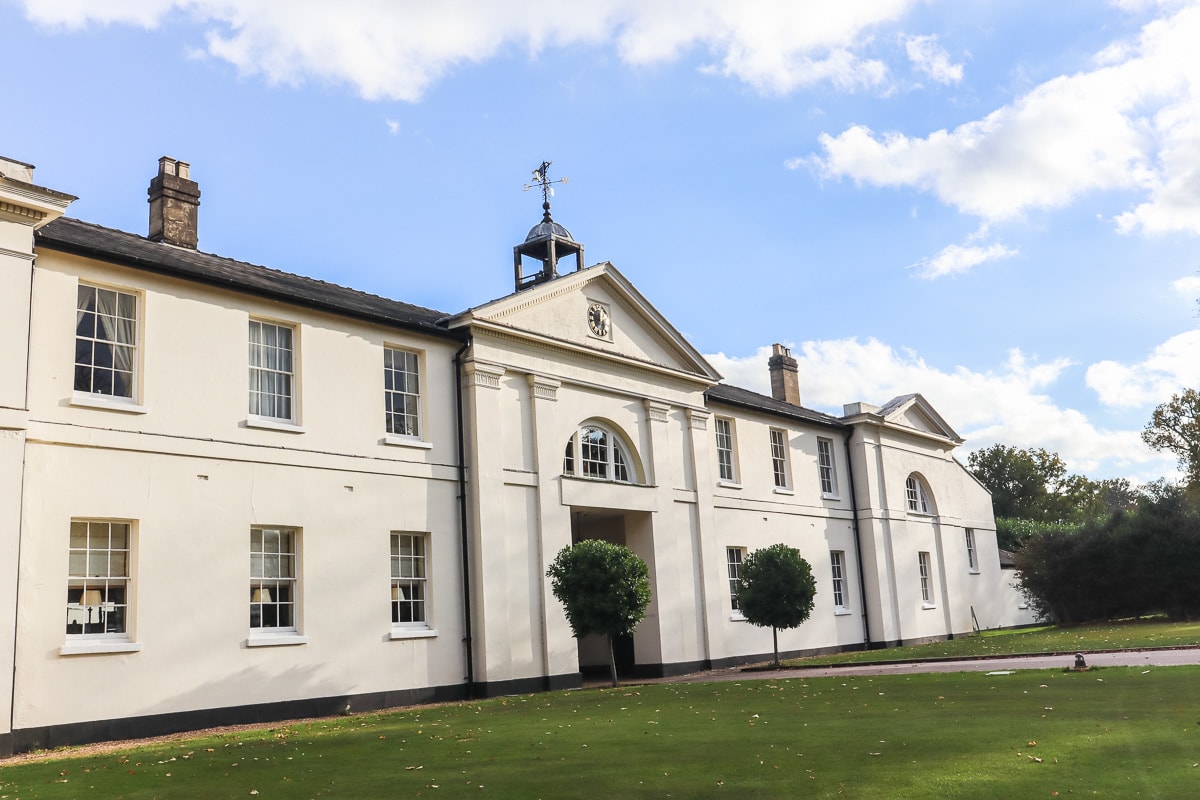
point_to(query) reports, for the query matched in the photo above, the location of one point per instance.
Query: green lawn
(1123, 635)
(1117, 732)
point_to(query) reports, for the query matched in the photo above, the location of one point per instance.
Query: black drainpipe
(462, 520)
(862, 585)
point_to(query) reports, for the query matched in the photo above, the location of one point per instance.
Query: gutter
(464, 531)
(862, 584)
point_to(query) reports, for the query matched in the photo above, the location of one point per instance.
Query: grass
(1122, 635)
(1117, 732)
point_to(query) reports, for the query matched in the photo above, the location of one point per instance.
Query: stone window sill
(106, 402)
(395, 440)
(275, 639)
(83, 647)
(412, 633)
(264, 423)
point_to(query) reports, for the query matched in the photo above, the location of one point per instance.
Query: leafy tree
(1020, 481)
(1031, 489)
(1175, 426)
(776, 587)
(1118, 494)
(604, 588)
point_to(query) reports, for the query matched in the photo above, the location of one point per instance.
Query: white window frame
(410, 597)
(826, 470)
(837, 571)
(726, 437)
(972, 553)
(118, 331)
(596, 452)
(274, 585)
(780, 462)
(917, 497)
(403, 400)
(273, 377)
(734, 558)
(100, 586)
(926, 572)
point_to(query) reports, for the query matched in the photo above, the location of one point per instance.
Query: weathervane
(541, 177)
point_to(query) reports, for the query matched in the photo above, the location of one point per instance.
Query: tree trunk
(775, 640)
(612, 662)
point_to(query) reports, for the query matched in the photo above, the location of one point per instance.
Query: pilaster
(560, 653)
(24, 207)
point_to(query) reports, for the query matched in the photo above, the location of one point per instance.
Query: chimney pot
(785, 375)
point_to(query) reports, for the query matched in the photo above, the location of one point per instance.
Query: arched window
(598, 453)
(918, 495)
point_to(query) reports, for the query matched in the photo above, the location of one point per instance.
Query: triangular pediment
(914, 411)
(596, 310)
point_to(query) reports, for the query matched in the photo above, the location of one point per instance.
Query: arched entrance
(636, 655)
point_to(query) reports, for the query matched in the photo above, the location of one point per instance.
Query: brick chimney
(785, 375)
(174, 203)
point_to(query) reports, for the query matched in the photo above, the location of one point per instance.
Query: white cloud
(1131, 124)
(393, 126)
(1170, 367)
(1188, 287)
(932, 59)
(393, 50)
(1009, 404)
(955, 258)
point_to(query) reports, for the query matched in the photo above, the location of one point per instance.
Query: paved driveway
(1124, 658)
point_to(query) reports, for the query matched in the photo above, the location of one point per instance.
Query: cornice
(6, 253)
(17, 213)
(30, 204)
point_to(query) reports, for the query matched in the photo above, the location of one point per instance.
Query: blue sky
(995, 203)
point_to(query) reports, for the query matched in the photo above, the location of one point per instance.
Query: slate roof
(895, 403)
(744, 398)
(126, 249)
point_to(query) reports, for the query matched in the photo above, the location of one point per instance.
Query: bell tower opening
(536, 260)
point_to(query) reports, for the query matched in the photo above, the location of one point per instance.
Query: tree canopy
(1032, 491)
(776, 588)
(604, 588)
(1175, 427)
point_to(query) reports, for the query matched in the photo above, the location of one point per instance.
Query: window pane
(85, 324)
(97, 563)
(126, 306)
(106, 302)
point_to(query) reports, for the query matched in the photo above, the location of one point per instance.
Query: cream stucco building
(229, 493)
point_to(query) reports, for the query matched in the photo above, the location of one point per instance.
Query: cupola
(536, 259)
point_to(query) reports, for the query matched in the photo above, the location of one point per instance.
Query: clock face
(597, 317)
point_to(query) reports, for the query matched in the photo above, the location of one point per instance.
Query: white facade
(220, 443)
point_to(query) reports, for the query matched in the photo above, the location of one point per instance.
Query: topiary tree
(604, 588)
(776, 587)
